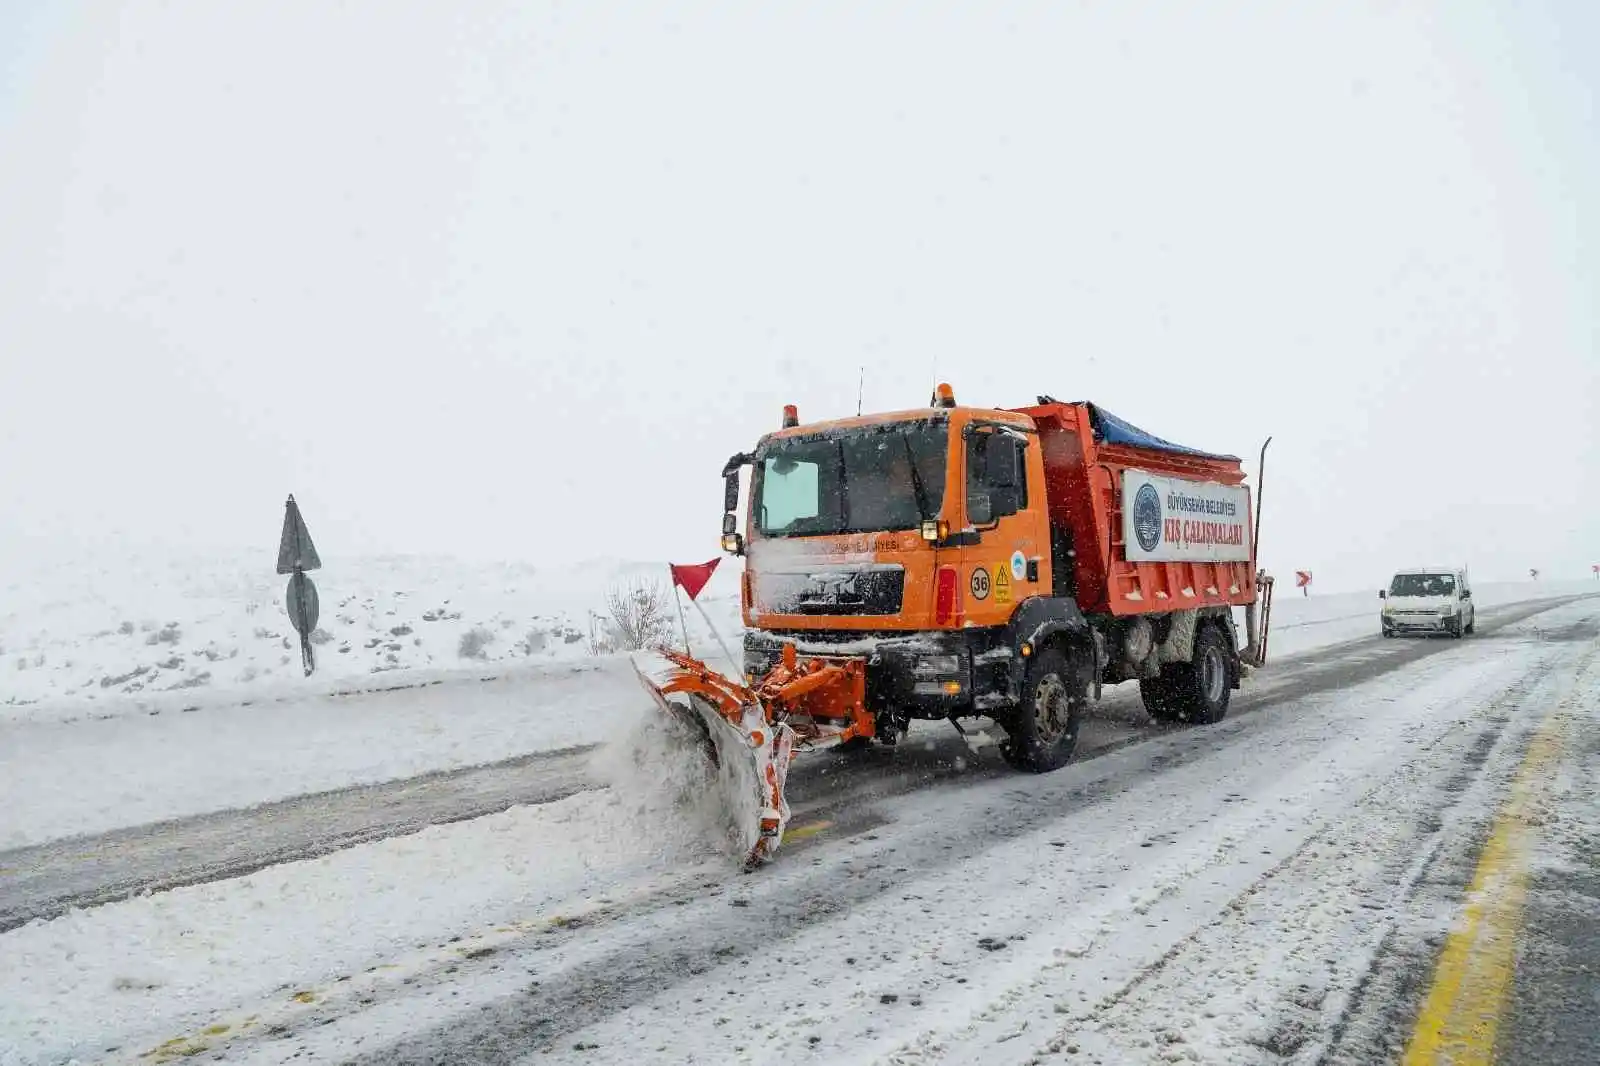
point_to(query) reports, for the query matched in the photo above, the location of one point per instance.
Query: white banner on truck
(1168, 519)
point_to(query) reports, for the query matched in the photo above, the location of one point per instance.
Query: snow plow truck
(949, 562)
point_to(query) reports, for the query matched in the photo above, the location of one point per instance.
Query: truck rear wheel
(1043, 730)
(1158, 696)
(1202, 687)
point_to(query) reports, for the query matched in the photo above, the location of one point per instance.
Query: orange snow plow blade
(750, 733)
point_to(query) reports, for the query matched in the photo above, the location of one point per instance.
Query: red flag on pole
(693, 578)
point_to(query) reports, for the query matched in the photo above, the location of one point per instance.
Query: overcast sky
(510, 280)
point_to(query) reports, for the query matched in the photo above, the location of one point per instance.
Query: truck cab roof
(888, 418)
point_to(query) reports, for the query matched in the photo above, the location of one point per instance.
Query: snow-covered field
(91, 636)
(1207, 896)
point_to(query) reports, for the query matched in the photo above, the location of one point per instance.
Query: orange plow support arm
(816, 703)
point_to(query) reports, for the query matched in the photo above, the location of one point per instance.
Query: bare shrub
(474, 643)
(640, 613)
(536, 641)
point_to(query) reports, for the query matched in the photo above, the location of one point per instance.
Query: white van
(1433, 599)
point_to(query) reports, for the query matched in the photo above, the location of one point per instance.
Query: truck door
(1004, 505)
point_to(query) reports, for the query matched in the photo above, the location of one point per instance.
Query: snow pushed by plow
(679, 800)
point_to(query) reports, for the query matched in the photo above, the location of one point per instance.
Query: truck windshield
(861, 481)
(1423, 585)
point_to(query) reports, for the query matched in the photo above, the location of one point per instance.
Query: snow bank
(63, 778)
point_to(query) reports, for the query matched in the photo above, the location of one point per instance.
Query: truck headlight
(937, 666)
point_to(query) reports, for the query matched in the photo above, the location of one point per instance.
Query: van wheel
(1202, 687)
(1042, 731)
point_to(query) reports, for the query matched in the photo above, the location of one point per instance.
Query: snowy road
(47, 880)
(1251, 892)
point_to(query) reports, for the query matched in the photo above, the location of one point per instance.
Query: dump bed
(1151, 526)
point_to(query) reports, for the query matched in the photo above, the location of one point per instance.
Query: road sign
(1596, 569)
(1534, 574)
(1302, 581)
(303, 605)
(295, 550)
(303, 610)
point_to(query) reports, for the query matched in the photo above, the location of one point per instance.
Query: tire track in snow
(621, 960)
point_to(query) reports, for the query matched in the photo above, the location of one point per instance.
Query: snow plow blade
(749, 734)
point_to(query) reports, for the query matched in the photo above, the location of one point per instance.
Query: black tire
(1157, 694)
(1454, 628)
(1042, 732)
(1202, 687)
(1472, 626)
(1388, 633)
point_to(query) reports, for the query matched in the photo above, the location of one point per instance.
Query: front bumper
(921, 675)
(1419, 622)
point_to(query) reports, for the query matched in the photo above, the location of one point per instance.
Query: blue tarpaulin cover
(1113, 430)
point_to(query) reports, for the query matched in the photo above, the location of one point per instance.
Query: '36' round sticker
(980, 584)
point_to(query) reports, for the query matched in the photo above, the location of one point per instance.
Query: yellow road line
(810, 829)
(1460, 1019)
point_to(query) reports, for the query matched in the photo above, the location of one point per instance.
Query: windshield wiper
(844, 488)
(916, 481)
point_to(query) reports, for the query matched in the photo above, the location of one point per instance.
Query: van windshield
(859, 481)
(1423, 585)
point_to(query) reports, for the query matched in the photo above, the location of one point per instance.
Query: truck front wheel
(1043, 729)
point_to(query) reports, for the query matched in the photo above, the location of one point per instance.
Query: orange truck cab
(1003, 563)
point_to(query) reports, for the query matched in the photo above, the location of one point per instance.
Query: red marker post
(1302, 580)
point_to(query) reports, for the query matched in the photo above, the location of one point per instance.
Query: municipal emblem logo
(1147, 517)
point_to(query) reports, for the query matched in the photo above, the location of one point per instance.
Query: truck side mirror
(1382, 595)
(730, 491)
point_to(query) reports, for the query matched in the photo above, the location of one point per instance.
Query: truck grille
(870, 591)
